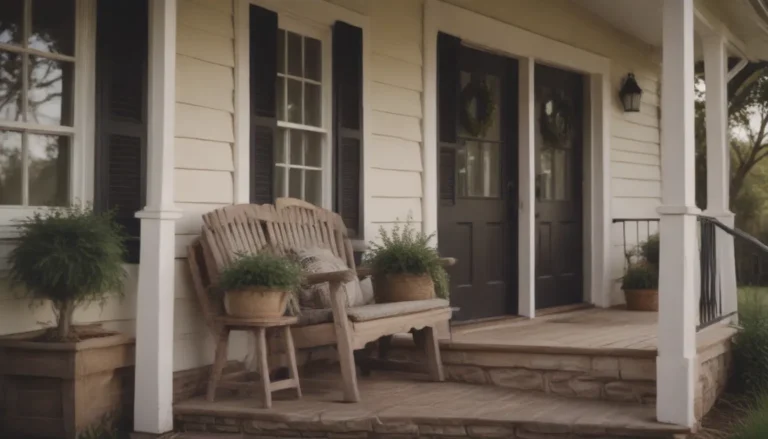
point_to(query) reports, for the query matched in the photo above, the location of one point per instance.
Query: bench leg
(261, 351)
(293, 369)
(432, 348)
(219, 361)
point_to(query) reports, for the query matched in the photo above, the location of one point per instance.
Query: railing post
(676, 362)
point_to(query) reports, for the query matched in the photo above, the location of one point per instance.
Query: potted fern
(405, 267)
(66, 257)
(259, 286)
(641, 280)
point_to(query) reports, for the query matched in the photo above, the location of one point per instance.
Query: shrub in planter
(649, 250)
(67, 257)
(641, 287)
(259, 286)
(405, 267)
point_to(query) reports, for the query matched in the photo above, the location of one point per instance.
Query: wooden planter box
(56, 390)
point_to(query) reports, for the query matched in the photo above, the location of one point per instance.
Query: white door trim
(530, 48)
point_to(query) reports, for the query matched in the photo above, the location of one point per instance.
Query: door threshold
(563, 309)
(468, 326)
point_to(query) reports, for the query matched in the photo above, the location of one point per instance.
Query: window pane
(545, 175)
(313, 55)
(10, 86)
(280, 182)
(53, 26)
(10, 168)
(294, 183)
(313, 154)
(281, 51)
(294, 101)
(294, 54)
(297, 139)
(11, 17)
(280, 98)
(491, 165)
(312, 105)
(50, 91)
(313, 187)
(48, 170)
(280, 146)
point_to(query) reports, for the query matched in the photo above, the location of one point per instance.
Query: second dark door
(559, 140)
(477, 173)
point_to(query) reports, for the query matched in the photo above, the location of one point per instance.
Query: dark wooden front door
(477, 221)
(559, 139)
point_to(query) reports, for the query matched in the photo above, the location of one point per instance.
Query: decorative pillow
(321, 260)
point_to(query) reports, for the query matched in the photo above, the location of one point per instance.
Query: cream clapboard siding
(204, 160)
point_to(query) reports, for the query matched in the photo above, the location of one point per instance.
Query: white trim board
(530, 48)
(318, 12)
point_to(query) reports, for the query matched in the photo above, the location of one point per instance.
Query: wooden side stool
(259, 327)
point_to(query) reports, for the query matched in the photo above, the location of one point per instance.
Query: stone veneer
(614, 378)
(714, 371)
(367, 428)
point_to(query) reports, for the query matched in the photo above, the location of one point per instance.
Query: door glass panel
(466, 78)
(561, 167)
(494, 129)
(545, 182)
(477, 166)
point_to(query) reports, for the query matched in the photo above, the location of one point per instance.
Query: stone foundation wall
(613, 378)
(714, 371)
(372, 428)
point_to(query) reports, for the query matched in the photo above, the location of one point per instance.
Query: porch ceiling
(640, 19)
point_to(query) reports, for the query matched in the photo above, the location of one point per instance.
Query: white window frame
(82, 131)
(317, 13)
(306, 28)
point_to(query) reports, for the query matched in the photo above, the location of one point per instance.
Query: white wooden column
(526, 250)
(153, 411)
(676, 363)
(719, 162)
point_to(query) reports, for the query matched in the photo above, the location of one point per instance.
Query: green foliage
(750, 351)
(755, 424)
(649, 250)
(261, 270)
(407, 251)
(640, 276)
(70, 256)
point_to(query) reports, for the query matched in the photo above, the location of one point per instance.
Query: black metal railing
(635, 231)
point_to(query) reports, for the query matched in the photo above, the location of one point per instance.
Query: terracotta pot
(256, 303)
(58, 390)
(642, 300)
(403, 287)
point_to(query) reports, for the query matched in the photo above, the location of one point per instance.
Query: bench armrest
(342, 276)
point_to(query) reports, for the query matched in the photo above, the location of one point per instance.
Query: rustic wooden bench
(291, 225)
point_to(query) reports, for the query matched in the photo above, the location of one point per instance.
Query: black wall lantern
(630, 94)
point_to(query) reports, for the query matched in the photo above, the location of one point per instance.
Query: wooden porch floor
(408, 406)
(597, 331)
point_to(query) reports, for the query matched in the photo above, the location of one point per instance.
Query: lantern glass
(631, 94)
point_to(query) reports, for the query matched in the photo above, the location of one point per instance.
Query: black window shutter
(348, 123)
(121, 116)
(263, 62)
(448, 83)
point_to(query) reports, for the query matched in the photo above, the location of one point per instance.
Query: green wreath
(476, 126)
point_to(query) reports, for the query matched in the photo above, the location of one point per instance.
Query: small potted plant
(405, 267)
(66, 257)
(641, 286)
(259, 286)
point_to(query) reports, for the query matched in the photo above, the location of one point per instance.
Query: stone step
(621, 376)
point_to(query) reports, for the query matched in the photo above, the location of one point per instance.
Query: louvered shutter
(448, 105)
(348, 123)
(263, 62)
(121, 118)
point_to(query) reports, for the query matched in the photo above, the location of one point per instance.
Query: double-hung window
(303, 96)
(37, 65)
